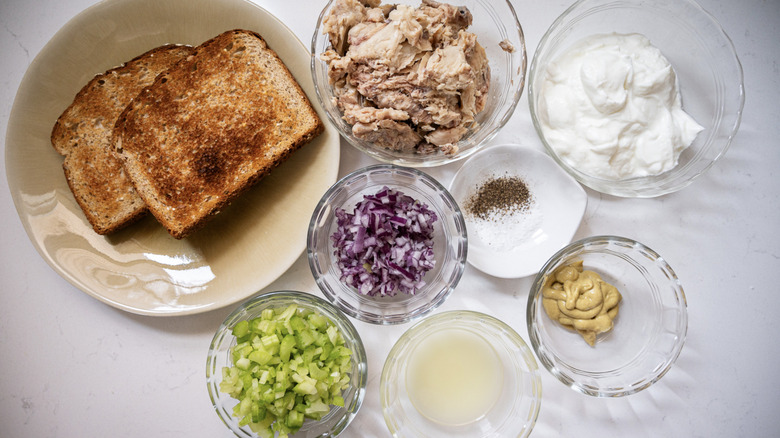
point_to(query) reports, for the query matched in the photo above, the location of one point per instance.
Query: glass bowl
(708, 71)
(450, 246)
(517, 402)
(649, 330)
(493, 22)
(338, 418)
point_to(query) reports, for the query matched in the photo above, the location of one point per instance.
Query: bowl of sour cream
(636, 98)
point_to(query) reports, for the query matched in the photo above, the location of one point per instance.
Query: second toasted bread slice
(211, 127)
(83, 134)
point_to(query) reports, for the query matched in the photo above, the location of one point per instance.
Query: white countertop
(74, 367)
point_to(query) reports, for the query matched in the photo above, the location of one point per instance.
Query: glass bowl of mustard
(607, 316)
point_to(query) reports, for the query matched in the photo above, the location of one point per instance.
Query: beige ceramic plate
(142, 269)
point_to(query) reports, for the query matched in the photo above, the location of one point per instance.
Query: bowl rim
(438, 159)
(533, 312)
(522, 351)
(603, 185)
(460, 262)
(341, 321)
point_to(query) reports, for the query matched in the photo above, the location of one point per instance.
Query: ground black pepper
(501, 196)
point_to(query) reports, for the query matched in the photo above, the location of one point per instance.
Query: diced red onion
(386, 244)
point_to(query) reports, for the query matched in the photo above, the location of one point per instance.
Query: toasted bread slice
(211, 127)
(83, 134)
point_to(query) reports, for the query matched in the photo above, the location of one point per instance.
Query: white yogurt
(610, 108)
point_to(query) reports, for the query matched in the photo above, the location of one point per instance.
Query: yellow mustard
(580, 300)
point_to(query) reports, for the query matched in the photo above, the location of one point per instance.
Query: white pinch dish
(558, 207)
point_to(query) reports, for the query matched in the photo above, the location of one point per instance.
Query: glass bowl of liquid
(460, 374)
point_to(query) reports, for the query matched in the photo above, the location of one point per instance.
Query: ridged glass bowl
(648, 333)
(449, 246)
(517, 406)
(708, 71)
(333, 423)
(494, 21)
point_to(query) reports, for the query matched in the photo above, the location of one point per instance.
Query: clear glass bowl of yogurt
(706, 72)
(497, 30)
(460, 374)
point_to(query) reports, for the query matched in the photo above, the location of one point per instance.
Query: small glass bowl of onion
(460, 374)
(409, 271)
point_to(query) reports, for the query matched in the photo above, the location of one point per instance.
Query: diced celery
(241, 329)
(297, 323)
(243, 363)
(258, 412)
(260, 356)
(308, 355)
(294, 420)
(333, 335)
(316, 373)
(241, 345)
(246, 380)
(245, 349)
(288, 364)
(305, 387)
(288, 401)
(318, 321)
(257, 325)
(317, 407)
(263, 427)
(270, 341)
(306, 338)
(321, 339)
(264, 327)
(288, 312)
(288, 342)
(326, 350)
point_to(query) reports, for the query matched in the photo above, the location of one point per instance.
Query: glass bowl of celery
(286, 363)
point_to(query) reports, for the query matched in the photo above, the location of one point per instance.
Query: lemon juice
(454, 377)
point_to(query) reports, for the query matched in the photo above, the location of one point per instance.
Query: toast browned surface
(211, 127)
(83, 134)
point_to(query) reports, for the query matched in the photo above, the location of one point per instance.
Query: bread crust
(83, 135)
(211, 127)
